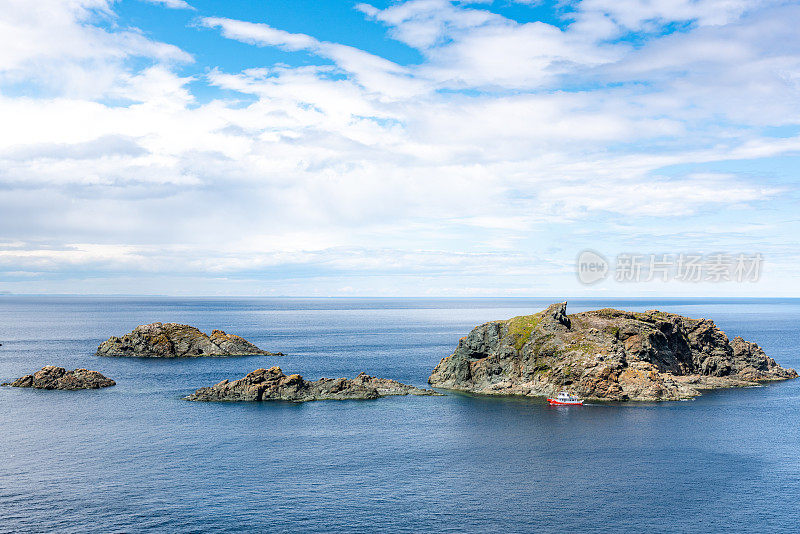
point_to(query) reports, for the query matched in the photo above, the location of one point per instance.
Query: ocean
(138, 458)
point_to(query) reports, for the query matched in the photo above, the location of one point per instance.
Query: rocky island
(605, 354)
(172, 340)
(272, 384)
(52, 377)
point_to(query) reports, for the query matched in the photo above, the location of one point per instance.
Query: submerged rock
(272, 384)
(52, 377)
(604, 354)
(172, 340)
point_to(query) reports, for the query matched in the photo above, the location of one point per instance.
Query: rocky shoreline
(173, 340)
(606, 354)
(52, 377)
(272, 384)
(602, 355)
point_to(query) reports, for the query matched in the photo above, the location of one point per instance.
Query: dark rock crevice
(604, 354)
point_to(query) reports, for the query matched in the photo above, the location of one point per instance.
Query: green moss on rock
(520, 329)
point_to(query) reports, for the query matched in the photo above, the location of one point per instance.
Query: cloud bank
(483, 168)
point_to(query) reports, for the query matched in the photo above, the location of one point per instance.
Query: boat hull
(554, 402)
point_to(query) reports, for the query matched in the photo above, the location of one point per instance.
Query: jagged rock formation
(604, 354)
(272, 384)
(172, 340)
(52, 377)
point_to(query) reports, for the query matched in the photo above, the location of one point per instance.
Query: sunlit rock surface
(604, 354)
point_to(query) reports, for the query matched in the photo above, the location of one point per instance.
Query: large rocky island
(52, 377)
(272, 384)
(605, 354)
(173, 340)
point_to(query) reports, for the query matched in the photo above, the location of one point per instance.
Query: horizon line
(428, 297)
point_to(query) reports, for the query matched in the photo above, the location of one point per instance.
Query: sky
(395, 148)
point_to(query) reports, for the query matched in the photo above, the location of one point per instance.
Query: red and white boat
(565, 399)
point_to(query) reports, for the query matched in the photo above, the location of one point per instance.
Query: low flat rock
(272, 384)
(606, 354)
(52, 377)
(173, 340)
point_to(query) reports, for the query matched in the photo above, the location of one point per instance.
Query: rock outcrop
(52, 377)
(604, 355)
(272, 384)
(172, 340)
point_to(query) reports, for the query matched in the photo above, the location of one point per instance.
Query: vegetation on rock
(604, 354)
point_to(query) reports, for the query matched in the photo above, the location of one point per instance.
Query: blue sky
(395, 148)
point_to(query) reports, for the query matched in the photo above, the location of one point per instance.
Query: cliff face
(604, 354)
(172, 340)
(52, 377)
(272, 384)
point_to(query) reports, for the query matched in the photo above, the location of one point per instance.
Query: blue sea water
(136, 458)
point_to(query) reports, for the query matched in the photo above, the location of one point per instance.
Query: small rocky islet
(52, 377)
(607, 354)
(173, 340)
(272, 384)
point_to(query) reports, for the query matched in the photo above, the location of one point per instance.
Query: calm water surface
(136, 457)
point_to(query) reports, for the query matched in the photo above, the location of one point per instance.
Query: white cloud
(481, 161)
(475, 48)
(657, 197)
(61, 48)
(426, 23)
(374, 73)
(261, 34)
(172, 4)
(649, 15)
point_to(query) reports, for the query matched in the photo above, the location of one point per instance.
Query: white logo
(592, 267)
